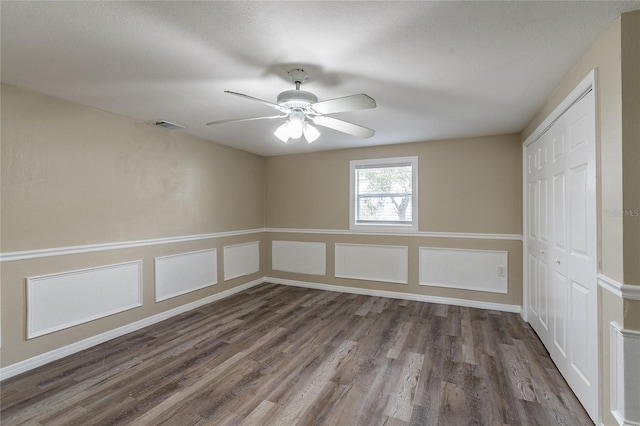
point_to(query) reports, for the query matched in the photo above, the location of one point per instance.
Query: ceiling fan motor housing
(296, 98)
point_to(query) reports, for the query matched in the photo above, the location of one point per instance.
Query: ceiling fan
(300, 108)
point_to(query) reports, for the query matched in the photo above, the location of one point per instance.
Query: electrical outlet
(502, 271)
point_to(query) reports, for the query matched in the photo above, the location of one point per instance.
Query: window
(384, 194)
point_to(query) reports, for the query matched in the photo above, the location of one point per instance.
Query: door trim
(588, 83)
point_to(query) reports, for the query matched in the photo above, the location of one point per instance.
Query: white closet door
(558, 275)
(581, 255)
(545, 306)
(562, 247)
(531, 234)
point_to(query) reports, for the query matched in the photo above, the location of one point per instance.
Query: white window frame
(383, 227)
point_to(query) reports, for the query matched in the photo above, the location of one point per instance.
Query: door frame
(587, 84)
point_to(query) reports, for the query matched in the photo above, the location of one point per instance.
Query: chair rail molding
(88, 248)
(624, 291)
(466, 235)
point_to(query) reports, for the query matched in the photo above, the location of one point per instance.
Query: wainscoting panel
(185, 272)
(61, 352)
(299, 257)
(241, 259)
(482, 270)
(625, 374)
(59, 301)
(372, 262)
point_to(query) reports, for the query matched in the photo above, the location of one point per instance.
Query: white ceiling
(437, 70)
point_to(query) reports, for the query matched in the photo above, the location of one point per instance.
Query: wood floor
(277, 355)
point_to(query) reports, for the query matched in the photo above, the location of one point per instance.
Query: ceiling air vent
(166, 124)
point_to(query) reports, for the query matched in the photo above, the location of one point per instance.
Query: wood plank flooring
(278, 355)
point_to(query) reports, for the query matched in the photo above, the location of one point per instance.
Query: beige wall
(615, 56)
(631, 146)
(74, 176)
(465, 186)
(631, 160)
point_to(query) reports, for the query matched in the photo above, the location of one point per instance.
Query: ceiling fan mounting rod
(298, 76)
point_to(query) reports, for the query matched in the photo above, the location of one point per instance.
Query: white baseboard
(399, 295)
(37, 361)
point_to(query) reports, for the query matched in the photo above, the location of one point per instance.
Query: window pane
(384, 194)
(384, 179)
(387, 209)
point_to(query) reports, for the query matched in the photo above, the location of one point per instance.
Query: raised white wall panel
(59, 301)
(372, 262)
(482, 270)
(300, 257)
(185, 272)
(625, 374)
(241, 259)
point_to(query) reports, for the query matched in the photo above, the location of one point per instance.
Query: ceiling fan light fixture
(296, 124)
(282, 132)
(295, 130)
(310, 132)
(301, 108)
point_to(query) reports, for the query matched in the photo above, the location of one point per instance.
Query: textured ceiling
(436, 69)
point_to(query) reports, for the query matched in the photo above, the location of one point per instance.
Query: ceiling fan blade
(347, 103)
(251, 98)
(235, 120)
(343, 126)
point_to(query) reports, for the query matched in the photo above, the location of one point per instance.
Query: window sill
(383, 228)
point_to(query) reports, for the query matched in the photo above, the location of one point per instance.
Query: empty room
(320, 213)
